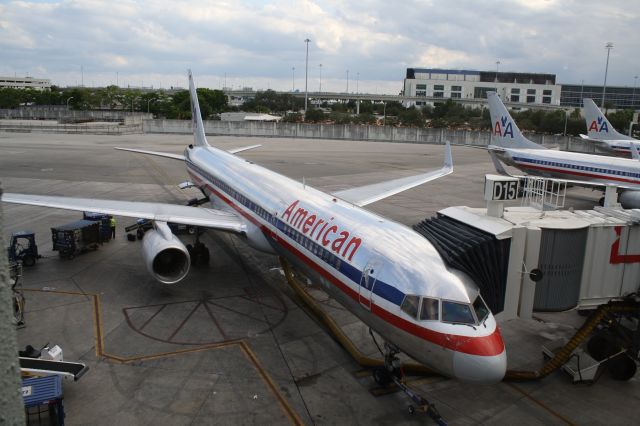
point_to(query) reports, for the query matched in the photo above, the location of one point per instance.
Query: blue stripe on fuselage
(382, 289)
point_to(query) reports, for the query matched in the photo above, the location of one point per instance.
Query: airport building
(25, 83)
(529, 88)
(617, 97)
(526, 88)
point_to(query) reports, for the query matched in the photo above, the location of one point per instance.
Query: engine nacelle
(630, 199)
(167, 259)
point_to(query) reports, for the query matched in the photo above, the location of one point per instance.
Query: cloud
(257, 43)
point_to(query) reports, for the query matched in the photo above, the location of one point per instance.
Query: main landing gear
(391, 374)
(198, 252)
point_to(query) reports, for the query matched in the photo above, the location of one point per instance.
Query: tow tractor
(23, 248)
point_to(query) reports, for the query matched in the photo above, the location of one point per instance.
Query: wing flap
(367, 194)
(208, 218)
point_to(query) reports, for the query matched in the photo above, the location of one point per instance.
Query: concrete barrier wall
(356, 132)
(93, 129)
(61, 113)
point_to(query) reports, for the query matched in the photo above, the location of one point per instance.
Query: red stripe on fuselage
(490, 345)
(573, 172)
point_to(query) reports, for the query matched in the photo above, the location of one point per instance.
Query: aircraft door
(368, 280)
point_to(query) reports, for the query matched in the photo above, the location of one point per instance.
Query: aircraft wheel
(412, 410)
(205, 256)
(381, 376)
(28, 260)
(602, 346)
(622, 367)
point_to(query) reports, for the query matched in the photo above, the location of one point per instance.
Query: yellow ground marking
(241, 344)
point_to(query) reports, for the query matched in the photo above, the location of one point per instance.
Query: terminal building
(526, 88)
(25, 83)
(432, 83)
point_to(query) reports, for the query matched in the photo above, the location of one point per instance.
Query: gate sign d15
(500, 188)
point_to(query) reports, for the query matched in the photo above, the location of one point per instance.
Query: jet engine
(166, 258)
(630, 199)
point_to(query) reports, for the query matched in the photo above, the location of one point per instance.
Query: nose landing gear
(391, 374)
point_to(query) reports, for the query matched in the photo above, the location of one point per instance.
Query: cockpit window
(430, 309)
(457, 312)
(410, 305)
(481, 309)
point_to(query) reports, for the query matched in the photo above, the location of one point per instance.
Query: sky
(367, 44)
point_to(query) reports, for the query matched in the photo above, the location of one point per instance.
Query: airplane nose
(480, 369)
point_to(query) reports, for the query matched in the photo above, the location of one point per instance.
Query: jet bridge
(526, 259)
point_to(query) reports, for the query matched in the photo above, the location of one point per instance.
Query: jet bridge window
(430, 309)
(457, 313)
(410, 305)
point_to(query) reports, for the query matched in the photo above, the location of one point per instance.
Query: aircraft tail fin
(505, 132)
(196, 118)
(598, 127)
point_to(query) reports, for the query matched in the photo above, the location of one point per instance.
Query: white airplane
(581, 169)
(600, 130)
(385, 273)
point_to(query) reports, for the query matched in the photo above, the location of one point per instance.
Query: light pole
(566, 117)
(607, 46)
(320, 89)
(497, 68)
(148, 102)
(633, 98)
(293, 79)
(357, 82)
(384, 113)
(306, 76)
(347, 81)
(68, 99)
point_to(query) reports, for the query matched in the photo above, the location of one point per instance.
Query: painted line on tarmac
(244, 348)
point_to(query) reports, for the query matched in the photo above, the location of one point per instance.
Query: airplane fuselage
(574, 166)
(368, 263)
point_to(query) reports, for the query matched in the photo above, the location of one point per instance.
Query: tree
(313, 115)
(411, 117)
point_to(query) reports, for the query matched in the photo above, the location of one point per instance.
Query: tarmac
(232, 344)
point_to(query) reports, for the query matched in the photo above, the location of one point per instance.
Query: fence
(356, 132)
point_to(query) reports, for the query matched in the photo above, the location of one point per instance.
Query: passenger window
(430, 309)
(457, 312)
(481, 309)
(410, 305)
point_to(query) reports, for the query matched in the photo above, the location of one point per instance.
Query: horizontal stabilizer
(242, 148)
(156, 153)
(363, 195)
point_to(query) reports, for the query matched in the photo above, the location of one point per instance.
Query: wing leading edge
(363, 195)
(209, 218)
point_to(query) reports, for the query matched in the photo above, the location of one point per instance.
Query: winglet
(196, 118)
(448, 159)
(633, 147)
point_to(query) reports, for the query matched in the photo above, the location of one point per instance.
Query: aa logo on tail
(504, 129)
(599, 126)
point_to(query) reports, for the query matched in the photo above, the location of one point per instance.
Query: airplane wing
(208, 218)
(363, 195)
